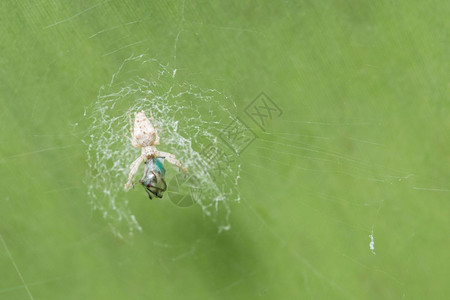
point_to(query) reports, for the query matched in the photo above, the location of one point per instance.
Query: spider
(145, 136)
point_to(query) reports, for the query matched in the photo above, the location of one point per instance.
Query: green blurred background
(362, 147)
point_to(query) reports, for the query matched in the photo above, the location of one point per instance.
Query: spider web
(189, 121)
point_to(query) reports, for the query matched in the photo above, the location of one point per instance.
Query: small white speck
(372, 243)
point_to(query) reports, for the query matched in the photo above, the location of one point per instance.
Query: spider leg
(155, 127)
(128, 138)
(170, 158)
(156, 137)
(133, 170)
(151, 114)
(131, 128)
(131, 122)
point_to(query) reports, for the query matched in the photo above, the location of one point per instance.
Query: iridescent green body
(153, 180)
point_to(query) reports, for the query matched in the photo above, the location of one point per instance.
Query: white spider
(144, 136)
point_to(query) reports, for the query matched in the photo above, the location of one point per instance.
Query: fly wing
(149, 193)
